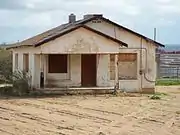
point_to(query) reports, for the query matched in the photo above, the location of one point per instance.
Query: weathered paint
(103, 74)
(82, 41)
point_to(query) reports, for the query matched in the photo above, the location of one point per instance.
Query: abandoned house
(90, 53)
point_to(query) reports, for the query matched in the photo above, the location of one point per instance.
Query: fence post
(177, 72)
(158, 65)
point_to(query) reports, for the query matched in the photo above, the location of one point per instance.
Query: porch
(80, 71)
(69, 72)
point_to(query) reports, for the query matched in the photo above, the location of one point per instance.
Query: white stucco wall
(80, 41)
(103, 71)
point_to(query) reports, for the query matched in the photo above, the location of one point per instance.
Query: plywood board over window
(127, 66)
(127, 57)
(58, 63)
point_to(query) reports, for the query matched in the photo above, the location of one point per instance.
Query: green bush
(168, 82)
(155, 97)
(158, 96)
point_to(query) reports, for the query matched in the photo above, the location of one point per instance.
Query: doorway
(88, 70)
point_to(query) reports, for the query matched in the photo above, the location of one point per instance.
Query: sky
(21, 19)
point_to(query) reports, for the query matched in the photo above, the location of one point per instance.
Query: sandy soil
(92, 115)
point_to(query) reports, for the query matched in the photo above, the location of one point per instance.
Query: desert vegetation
(5, 65)
(17, 82)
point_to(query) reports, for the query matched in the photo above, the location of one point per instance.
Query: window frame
(66, 68)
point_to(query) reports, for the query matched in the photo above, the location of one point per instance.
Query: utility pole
(157, 57)
(154, 34)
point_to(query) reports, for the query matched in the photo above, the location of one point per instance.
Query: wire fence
(168, 66)
(169, 72)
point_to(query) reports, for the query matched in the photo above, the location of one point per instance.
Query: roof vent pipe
(72, 18)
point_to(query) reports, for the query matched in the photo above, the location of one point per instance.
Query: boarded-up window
(58, 63)
(127, 66)
(26, 62)
(112, 67)
(127, 57)
(16, 61)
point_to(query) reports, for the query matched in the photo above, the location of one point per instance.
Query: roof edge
(120, 26)
(17, 46)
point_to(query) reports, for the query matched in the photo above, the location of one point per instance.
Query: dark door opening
(88, 70)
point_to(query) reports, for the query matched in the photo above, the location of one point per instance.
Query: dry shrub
(20, 84)
(20, 81)
(5, 66)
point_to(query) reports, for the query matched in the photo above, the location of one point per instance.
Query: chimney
(92, 15)
(72, 18)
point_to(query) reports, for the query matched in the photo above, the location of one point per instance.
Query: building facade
(92, 52)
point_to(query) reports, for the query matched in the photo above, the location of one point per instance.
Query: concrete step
(74, 91)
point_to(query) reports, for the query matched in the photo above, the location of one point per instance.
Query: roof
(68, 27)
(133, 32)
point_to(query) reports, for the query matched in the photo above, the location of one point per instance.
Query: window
(26, 62)
(127, 66)
(16, 61)
(57, 63)
(112, 67)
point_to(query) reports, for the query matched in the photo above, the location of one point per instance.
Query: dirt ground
(92, 115)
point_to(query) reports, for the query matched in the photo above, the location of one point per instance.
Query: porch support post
(20, 61)
(116, 72)
(42, 58)
(34, 63)
(45, 68)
